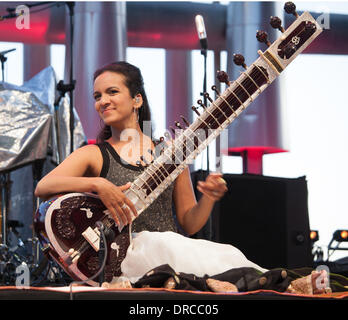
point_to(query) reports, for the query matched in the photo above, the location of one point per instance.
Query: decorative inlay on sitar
(67, 224)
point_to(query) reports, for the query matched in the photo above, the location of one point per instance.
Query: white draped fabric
(199, 257)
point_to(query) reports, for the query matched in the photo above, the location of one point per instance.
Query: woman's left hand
(214, 186)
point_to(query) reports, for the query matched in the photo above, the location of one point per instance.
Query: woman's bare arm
(79, 172)
(193, 215)
(75, 174)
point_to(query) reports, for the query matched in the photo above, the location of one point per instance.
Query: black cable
(12, 14)
(100, 227)
(45, 8)
(38, 4)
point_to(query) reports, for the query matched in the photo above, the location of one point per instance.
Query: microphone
(6, 51)
(202, 35)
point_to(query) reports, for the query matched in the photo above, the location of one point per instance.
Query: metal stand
(13, 251)
(37, 168)
(71, 6)
(5, 185)
(62, 89)
(8, 259)
(205, 101)
(3, 59)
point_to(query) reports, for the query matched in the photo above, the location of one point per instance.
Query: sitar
(67, 225)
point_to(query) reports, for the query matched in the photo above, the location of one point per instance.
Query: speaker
(266, 218)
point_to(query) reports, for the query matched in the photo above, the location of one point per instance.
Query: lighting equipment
(339, 236)
(317, 251)
(314, 235)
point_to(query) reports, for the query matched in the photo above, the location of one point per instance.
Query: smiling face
(113, 101)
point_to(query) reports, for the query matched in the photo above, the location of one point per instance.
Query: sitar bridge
(272, 61)
(93, 237)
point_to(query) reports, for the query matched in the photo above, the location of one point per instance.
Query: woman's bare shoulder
(87, 150)
(84, 158)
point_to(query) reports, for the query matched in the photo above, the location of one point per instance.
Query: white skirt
(149, 250)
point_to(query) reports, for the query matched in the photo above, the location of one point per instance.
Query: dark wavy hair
(135, 84)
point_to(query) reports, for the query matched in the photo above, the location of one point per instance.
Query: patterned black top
(158, 216)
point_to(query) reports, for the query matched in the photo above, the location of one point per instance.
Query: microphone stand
(204, 50)
(64, 88)
(3, 60)
(71, 6)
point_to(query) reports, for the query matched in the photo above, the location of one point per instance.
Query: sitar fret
(229, 108)
(246, 88)
(154, 174)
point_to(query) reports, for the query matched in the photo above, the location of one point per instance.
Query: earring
(136, 111)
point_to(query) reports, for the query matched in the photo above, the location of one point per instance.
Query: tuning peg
(290, 8)
(200, 102)
(173, 129)
(139, 164)
(239, 60)
(195, 110)
(167, 136)
(310, 26)
(159, 141)
(206, 95)
(262, 36)
(185, 121)
(142, 158)
(222, 76)
(178, 125)
(276, 23)
(214, 88)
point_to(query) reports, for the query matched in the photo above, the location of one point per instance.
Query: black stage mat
(161, 304)
(88, 293)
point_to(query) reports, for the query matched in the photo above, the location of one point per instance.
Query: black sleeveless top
(158, 216)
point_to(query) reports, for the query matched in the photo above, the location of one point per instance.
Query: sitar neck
(239, 94)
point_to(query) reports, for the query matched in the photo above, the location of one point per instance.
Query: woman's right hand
(114, 199)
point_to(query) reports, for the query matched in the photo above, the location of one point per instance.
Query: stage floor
(96, 293)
